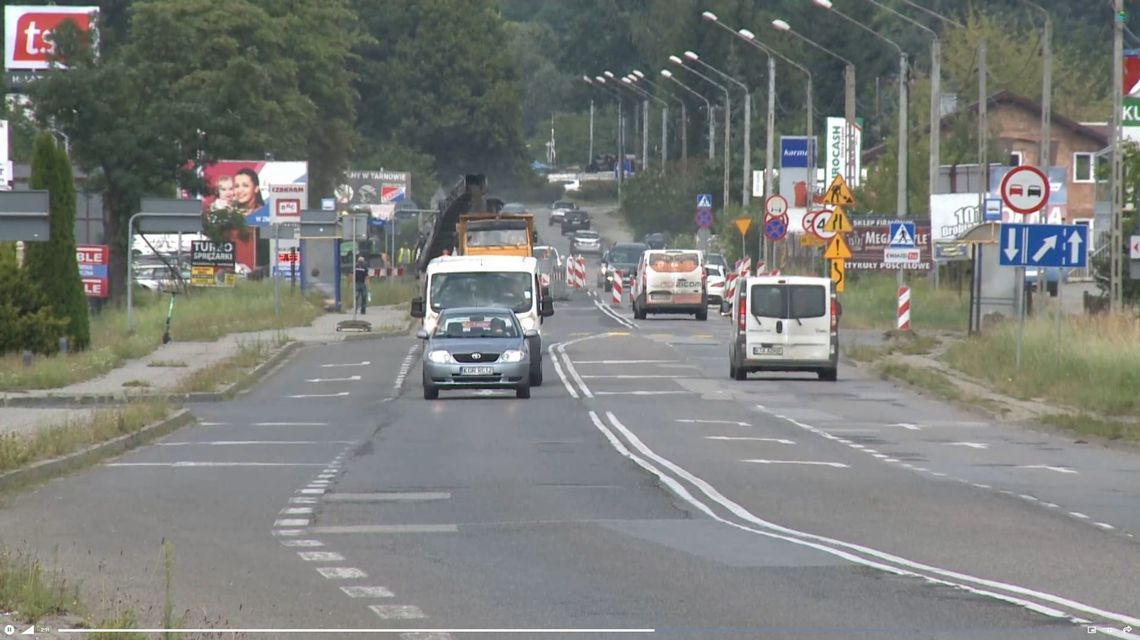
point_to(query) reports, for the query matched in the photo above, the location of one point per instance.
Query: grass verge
(1094, 368)
(909, 343)
(1095, 426)
(384, 292)
(936, 383)
(871, 302)
(18, 450)
(229, 370)
(199, 316)
(31, 590)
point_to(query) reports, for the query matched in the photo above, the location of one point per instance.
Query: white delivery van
(670, 281)
(513, 282)
(785, 323)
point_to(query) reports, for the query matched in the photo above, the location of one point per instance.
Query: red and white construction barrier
(617, 293)
(904, 309)
(398, 272)
(576, 272)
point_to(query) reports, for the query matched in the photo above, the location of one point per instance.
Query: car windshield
(587, 235)
(496, 238)
(626, 255)
(545, 253)
(477, 325)
(788, 301)
(563, 205)
(512, 290)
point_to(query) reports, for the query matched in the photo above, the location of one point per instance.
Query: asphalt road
(638, 489)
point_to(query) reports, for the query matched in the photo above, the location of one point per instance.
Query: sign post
(1025, 190)
(160, 215)
(742, 224)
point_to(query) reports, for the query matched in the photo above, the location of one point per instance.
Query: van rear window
(787, 301)
(674, 262)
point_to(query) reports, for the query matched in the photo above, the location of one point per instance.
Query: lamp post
(665, 73)
(638, 76)
(630, 81)
(745, 192)
(900, 190)
(1116, 291)
(727, 116)
(600, 83)
(644, 119)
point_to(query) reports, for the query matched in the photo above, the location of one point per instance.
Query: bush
(26, 319)
(595, 191)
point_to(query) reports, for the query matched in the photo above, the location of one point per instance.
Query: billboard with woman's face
(250, 186)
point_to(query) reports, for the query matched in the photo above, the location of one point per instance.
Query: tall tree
(52, 265)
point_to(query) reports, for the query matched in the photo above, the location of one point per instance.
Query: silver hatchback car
(476, 348)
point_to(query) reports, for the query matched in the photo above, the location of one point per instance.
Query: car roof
(461, 264)
(585, 232)
(633, 245)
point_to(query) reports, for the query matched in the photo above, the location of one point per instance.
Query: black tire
(431, 392)
(829, 375)
(535, 377)
(740, 373)
(638, 312)
(522, 391)
(703, 314)
(731, 368)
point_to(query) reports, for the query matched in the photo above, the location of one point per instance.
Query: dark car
(575, 220)
(657, 241)
(620, 262)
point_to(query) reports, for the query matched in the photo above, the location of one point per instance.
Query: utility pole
(900, 194)
(745, 192)
(684, 140)
(769, 153)
(849, 114)
(664, 137)
(1116, 290)
(935, 118)
(591, 152)
(644, 134)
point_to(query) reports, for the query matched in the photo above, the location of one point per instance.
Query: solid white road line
(320, 556)
(561, 376)
(699, 421)
(388, 528)
(319, 395)
(1058, 469)
(303, 542)
(900, 566)
(972, 445)
(397, 611)
(348, 379)
(212, 424)
(750, 439)
(836, 465)
(624, 361)
(290, 424)
(426, 635)
(391, 496)
(640, 393)
(348, 364)
(356, 591)
(234, 443)
(574, 372)
(187, 463)
(341, 573)
(628, 376)
(614, 315)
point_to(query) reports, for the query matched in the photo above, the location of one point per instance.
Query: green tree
(51, 265)
(27, 320)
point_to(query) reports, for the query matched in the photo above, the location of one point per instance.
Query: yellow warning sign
(838, 222)
(811, 240)
(838, 274)
(743, 224)
(837, 249)
(838, 193)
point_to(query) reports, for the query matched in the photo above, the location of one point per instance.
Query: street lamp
(600, 83)
(645, 119)
(638, 76)
(900, 190)
(630, 81)
(665, 73)
(849, 91)
(745, 192)
(727, 115)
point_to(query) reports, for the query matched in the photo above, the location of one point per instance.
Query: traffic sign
(704, 201)
(743, 224)
(837, 249)
(902, 256)
(993, 210)
(1044, 245)
(838, 193)
(1025, 189)
(839, 222)
(838, 274)
(776, 228)
(776, 205)
(1134, 248)
(818, 224)
(704, 218)
(902, 235)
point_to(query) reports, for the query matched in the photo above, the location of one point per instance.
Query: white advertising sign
(28, 43)
(5, 162)
(835, 158)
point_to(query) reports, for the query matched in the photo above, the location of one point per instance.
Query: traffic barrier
(576, 272)
(904, 309)
(388, 273)
(617, 294)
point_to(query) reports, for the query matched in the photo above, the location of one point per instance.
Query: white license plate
(476, 371)
(767, 351)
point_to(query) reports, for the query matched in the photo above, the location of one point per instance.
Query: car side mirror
(530, 333)
(546, 308)
(422, 334)
(417, 307)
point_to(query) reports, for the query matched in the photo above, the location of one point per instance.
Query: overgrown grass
(909, 343)
(1094, 426)
(17, 450)
(31, 591)
(1095, 367)
(384, 291)
(871, 302)
(937, 384)
(228, 371)
(201, 315)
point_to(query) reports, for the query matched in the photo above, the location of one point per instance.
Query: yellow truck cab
(496, 234)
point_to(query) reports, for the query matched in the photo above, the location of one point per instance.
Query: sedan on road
(585, 242)
(476, 348)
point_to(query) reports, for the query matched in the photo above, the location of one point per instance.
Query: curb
(248, 380)
(47, 469)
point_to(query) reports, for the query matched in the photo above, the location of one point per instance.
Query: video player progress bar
(388, 631)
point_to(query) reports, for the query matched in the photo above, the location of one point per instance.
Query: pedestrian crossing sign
(902, 235)
(704, 201)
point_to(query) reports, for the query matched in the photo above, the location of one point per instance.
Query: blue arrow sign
(1044, 245)
(704, 201)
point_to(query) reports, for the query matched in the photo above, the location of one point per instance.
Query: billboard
(378, 191)
(212, 265)
(93, 260)
(871, 236)
(794, 160)
(953, 214)
(28, 42)
(835, 152)
(250, 186)
(1131, 107)
(5, 161)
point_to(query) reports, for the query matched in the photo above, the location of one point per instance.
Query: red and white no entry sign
(1025, 189)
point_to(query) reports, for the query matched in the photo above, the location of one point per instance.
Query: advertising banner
(953, 214)
(5, 161)
(28, 42)
(93, 262)
(250, 187)
(378, 191)
(211, 264)
(794, 183)
(835, 154)
(1131, 106)
(872, 236)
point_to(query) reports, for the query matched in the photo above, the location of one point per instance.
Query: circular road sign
(818, 224)
(775, 228)
(776, 205)
(704, 218)
(1025, 189)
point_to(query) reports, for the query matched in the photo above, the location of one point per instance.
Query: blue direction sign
(704, 201)
(704, 218)
(1044, 245)
(902, 235)
(775, 229)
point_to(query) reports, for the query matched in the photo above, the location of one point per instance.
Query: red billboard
(28, 30)
(870, 238)
(93, 260)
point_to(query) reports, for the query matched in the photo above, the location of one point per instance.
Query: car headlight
(439, 356)
(512, 355)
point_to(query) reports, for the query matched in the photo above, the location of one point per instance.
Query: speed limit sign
(819, 226)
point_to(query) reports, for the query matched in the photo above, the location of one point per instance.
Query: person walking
(361, 275)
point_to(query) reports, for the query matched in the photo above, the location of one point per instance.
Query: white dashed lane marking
(349, 364)
(341, 573)
(348, 379)
(834, 465)
(320, 556)
(304, 542)
(355, 591)
(293, 511)
(291, 522)
(397, 611)
(405, 367)
(339, 394)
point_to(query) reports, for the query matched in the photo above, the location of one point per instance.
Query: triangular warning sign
(839, 222)
(838, 193)
(902, 237)
(837, 249)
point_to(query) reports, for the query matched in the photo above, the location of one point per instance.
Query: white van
(785, 323)
(670, 281)
(488, 281)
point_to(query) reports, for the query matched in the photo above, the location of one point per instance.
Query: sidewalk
(163, 370)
